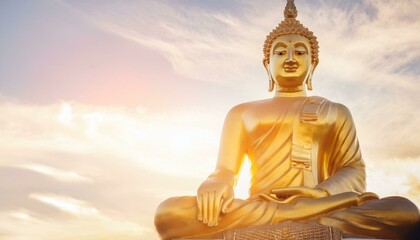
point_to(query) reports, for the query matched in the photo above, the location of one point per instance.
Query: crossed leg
(385, 218)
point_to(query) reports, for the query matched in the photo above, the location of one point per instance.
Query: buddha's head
(290, 53)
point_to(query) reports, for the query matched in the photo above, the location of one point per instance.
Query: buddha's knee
(164, 213)
(172, 213)
(406, 211)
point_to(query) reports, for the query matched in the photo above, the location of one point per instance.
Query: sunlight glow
(181, 142)
(244, 180)
(65, 115)
(21, 215)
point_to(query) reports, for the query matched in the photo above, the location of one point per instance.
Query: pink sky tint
(61, 56)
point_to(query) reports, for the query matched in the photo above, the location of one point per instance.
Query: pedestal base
(285, 230)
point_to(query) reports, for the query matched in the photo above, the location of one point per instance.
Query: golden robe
(280, 158)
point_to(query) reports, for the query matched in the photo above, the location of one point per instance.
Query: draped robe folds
(339, 155)
(340, 172)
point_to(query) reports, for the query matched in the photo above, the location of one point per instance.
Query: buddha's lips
(290, 68)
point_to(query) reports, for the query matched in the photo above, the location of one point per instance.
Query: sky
(109, 107)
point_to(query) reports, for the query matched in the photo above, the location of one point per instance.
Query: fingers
(270, 198)
(200, 207)
(210, 203)
(291, 199)
(208, 207)
(277, 200)
(217, 211)
(226, 203)
(205, 207)
(211, 208)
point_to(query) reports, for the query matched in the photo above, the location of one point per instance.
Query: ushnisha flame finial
(290, 11)
(290, 25)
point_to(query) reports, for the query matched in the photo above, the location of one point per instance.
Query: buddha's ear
(309, 79)
(270, 77)
(314, 64)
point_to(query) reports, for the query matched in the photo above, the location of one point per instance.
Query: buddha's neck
(299, 91)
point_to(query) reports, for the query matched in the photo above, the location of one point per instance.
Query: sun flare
(242, 186)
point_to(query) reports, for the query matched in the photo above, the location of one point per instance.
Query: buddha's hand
(213, 197)
(289, 194)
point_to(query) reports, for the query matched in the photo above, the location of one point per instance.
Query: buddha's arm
(343, 168)
(233, 142)
(216, 193)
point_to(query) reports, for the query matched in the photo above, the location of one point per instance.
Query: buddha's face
(290, 61)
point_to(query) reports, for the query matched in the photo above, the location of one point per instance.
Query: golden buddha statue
(305, 158)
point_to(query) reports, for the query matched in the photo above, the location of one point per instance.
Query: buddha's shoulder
(335, 111)
(337, 107)
(251, 106)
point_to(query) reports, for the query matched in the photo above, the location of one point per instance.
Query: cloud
(93, 227)
(414, 191)
(394, 177)
(363, 45)
(201, 44)
(100, 170)
(69, 205)
(57, 173)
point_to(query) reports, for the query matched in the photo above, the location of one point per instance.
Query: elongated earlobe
(309, 80)
(270, 84)
(270, 78)
(309, 83)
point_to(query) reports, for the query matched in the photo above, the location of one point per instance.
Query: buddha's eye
(300, 52)
(280, 53)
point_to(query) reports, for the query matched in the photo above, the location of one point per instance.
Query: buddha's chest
(277, 118)
(284, 123)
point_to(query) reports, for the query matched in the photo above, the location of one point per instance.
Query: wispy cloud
(57, 173)
(394, 177)
(373, 40)
(107, 167)
(69, 205)
(87, 223)
(200, 44)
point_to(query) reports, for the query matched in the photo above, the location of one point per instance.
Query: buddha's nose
(290, 58)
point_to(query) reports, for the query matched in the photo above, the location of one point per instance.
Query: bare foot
(367, 196)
